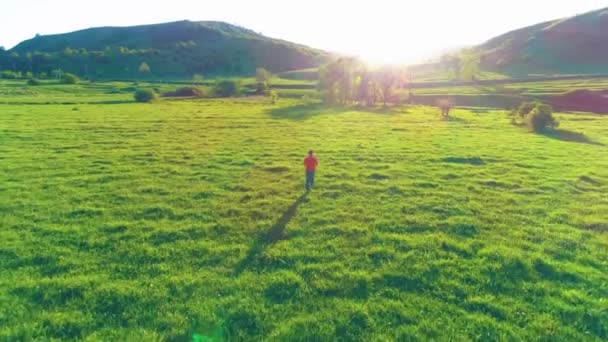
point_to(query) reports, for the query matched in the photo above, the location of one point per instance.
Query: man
(310, 164)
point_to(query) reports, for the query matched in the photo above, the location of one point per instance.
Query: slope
(177, 49)
(575, 45)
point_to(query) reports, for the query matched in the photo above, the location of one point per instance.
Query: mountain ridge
(569, 45)
(174, 49)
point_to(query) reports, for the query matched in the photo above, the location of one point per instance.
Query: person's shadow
(276, 233)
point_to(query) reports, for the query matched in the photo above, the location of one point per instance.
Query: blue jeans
(310, 179)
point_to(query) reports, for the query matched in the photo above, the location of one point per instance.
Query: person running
(310, 164)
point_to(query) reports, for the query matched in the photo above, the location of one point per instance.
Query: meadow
(188, 221)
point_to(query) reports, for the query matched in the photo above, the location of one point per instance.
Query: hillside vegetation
(576, 45)
(187, 220)
(178, 50)
(570, 46)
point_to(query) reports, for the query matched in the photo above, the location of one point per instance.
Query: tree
(8, 75)
(57, 73)
(327, 82)
(145, 95)
(388, 78)
(33, 82)
(274, 96)
(541, 118)
(363, 87)
(469, 65)
(263, 78)
(338, 80)
(144, 68)
(367, 88)
(197, 78)
(451, 63)
(227, 88)
(68, 78)
(525, 108)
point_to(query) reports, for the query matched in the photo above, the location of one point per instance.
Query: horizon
(377, 35)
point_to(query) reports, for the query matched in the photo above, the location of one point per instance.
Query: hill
(575, 45)
(177, 49)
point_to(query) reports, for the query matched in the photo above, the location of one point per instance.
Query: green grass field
(51, 92)
(187, 220)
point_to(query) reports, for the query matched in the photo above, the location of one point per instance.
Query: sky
(379, 31)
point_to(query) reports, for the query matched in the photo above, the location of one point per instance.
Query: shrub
(9, 75)
(188, 92)
(262, 77)
(145, 95)
(541, 118)
(33, 82)
(227, 88)
(274, 96)
(68, 78)
(198, 78)
(525, 108)
(144, 68)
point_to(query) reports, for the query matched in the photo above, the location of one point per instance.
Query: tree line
(347, 80)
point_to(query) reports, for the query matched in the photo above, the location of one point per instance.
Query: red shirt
(311, 163)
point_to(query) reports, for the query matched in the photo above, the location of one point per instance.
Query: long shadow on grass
(276, 233)
(453, 119)
(565, 135)
(302, 112)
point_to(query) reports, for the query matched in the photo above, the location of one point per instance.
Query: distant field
(510, 95)
(187, 220)
(50, 92)
(560, 87)
(527, 88)
(311, 74)
(440, 75)
(288, 86)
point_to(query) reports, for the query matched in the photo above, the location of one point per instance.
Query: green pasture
(187, 221)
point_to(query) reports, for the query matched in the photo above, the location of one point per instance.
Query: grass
(528, 88)
(435, 73)
(186, 220)
(51, 92)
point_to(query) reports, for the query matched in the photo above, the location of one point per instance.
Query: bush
(145, 95)
(263, 78)
(541, 118)
(33, 82)
(525, 108)
(188, 92)
(227, 88)
(9, 75)
(274, 96)
(68, 78)
(198, 78)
